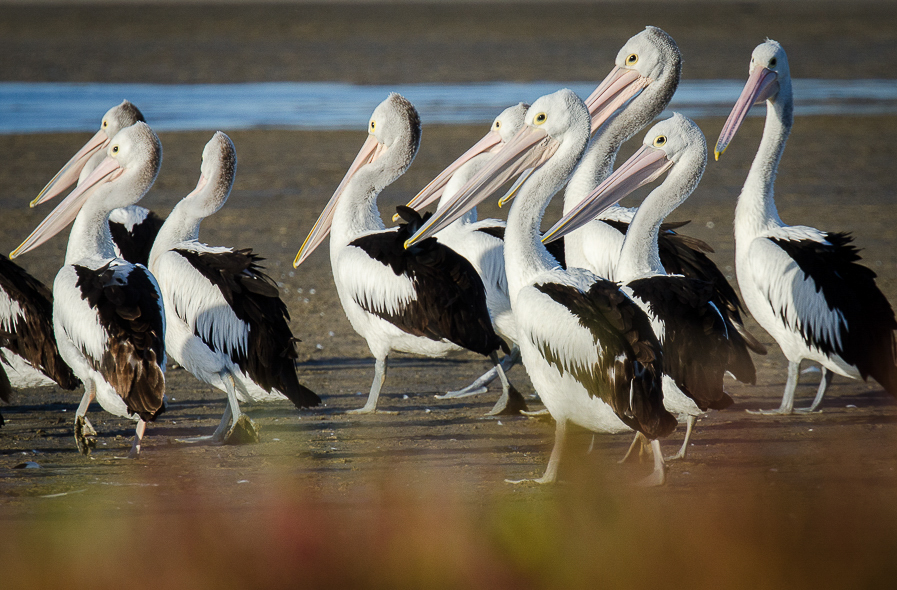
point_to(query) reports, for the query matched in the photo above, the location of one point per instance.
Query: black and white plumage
(226, 321)
(636, 91)
(803, 285)
(133, 228)
(699, 343)
(481, 242)
(28, 352)
(588, 348)
(107, 313)
(395, 299)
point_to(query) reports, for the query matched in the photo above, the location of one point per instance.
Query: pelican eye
(632, 59)
(497, 125)
(115, 149)
(540, 118)
(105, 124)
(660, 141)
(373, 126)
(772, 63)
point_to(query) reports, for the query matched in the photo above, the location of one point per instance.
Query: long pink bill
(64, 213)
(618, 88)
(761, 85)
(69, 173)
(530, 148)
(370, 151)
(645, 166)
(490, 143)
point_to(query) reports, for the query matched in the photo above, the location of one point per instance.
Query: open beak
(761, 85)
(69, 173)
(490, 143)
(370, 152)
(645, 166)
(618, 88)
(530, 148)
(64, 213)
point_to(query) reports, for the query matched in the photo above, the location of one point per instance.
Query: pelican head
(132, 162)
(217, 172)
(503, 128)
(650, 59)
(769, 78)
(394, 132)
(557, 123)
(117, 118)
(675, 145)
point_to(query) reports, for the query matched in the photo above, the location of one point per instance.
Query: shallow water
(57, 107)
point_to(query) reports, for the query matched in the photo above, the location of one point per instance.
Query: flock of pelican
(621, 323)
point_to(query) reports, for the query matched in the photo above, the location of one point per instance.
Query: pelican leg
(243, 430)
(85, 434)
(551, 472)
(658, 477)
(218, 435)
(138, 438)
(370, 406)
(683, 450)
(511, 403)
(788, 397)
(480, 384)
(635, 442)
(827, 377)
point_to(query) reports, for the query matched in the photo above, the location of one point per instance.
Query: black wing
(687, 256)
(696, 346)
(130, 312)
(270, 358)
(451, 298)
(32, 336)
(633, 358)
(867, 334)
(135, 245)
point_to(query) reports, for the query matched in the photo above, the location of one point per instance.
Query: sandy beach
(417, 498)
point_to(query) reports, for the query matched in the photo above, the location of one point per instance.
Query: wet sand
(416, 498)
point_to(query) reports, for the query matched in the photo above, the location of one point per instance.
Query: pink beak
(761, 85)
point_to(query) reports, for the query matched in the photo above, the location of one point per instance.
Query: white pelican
(428, 300)
(646, 75)
(699, 344)
(133, 228)
(480, 242)
(107, 313)
(28, 353)
(803, 285)
(225, 320)
(588, 348)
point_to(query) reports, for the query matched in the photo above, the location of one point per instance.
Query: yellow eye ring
(115, 149)
(497, 125)
(105, 124)
(540, 118)
(660, 141)
(632, 59)
(373, 126)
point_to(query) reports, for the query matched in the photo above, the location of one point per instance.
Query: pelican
(107, 313)
(428, 300)
(480, 242)
(588, 348)
(28, 353)
(699, 344)
(646, 74)
(226, 322)
(133, 228)
(803, 285)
